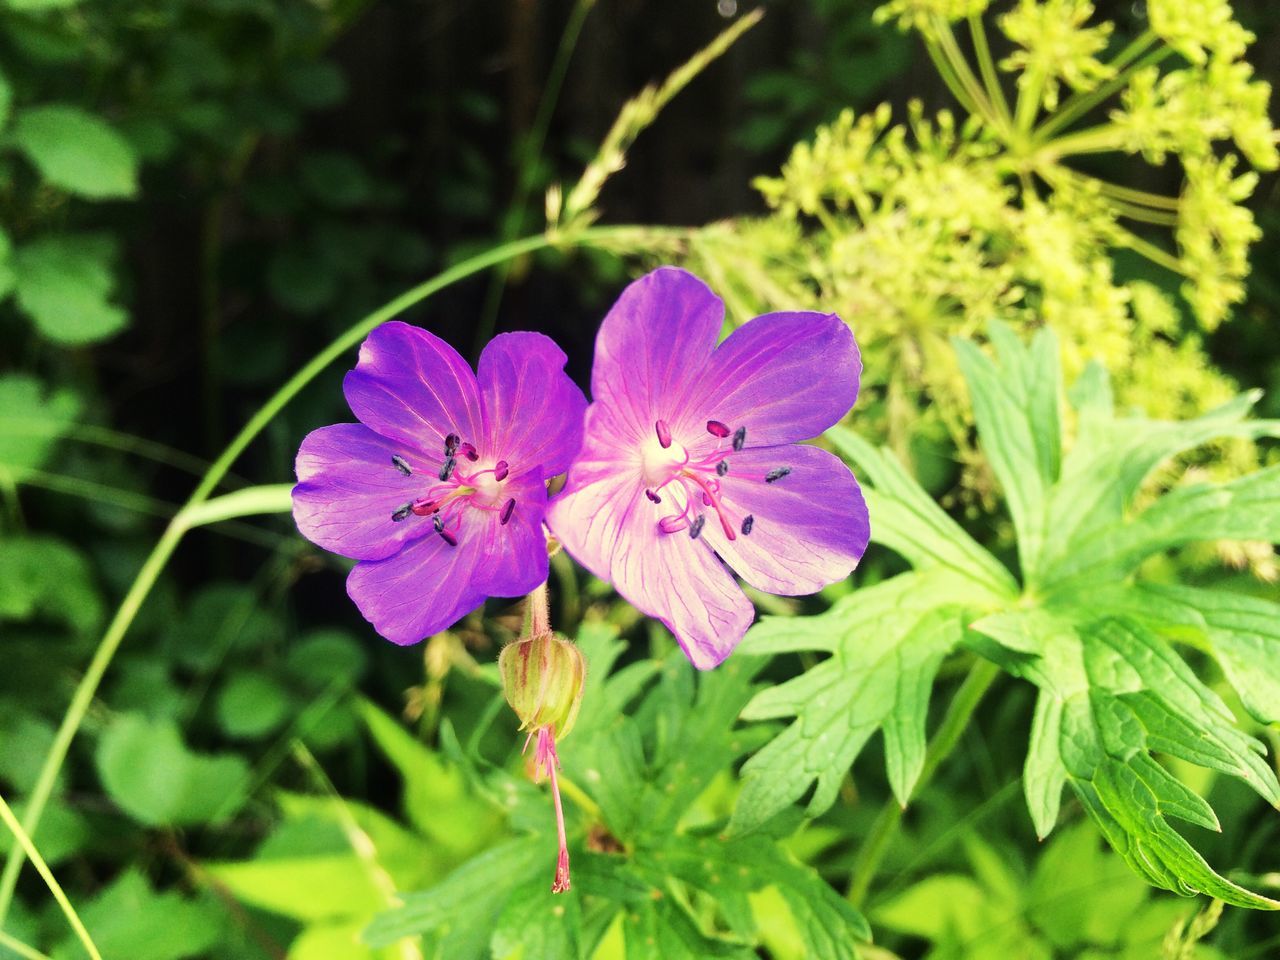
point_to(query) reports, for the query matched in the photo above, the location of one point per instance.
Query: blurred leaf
(537, 924)
(252, 704)
(27, 739)
(298, 284)
(129, 919)
(44, 576)
(312, 888)
(77, 151)
(64, 284)
(326, 658)
(336, 179)
(32, 418)
(315, 84)
(331, 941)
(63, 832)
(34, 6)
(6, 101)
(150, 773)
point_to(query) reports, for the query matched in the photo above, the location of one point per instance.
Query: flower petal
(533, 409)
(516, 550)
(651, 346)
(810, 527)
(607, 525)
(348, 487)
(784, 376)
(411, 386)
(425, 588)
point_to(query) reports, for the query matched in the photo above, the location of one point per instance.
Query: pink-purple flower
(691, 468)
(440, 490)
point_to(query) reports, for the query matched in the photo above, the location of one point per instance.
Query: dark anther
(469, 451)
(776, 474)
(506, 512)
(747, 523)
(664, 433)
(446, 471)
(722, 468)
(739, 438)
(695, 528)
(653, 497)
(401, 464)
(424, 508)
(451, 444)
(500, 470)
(449, 538)
(402, 512)
(438, 522)
(717, 429)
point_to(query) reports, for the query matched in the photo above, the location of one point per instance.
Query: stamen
(451, 444)
(653, 497)
(448, 538)
(402, 512)
(717, 429)
(747, 523)
(664, 433)
(424, 508)
(469, 451)
(500, 470)
(722, 468)
(446, 471)
(695, 528)
(438, 522)
(401, 464)
(706, 499)
(506, 512)
(777, 474)
(739, 438)
(672, 524)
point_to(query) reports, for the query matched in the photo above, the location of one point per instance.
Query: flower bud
(542, 678)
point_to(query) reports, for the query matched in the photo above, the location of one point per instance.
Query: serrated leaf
(64, 284)
(536, 924)
(1115, 693)
(906, 519)
(1016, 410)
(77, 151)
(148, 770)
(886, 643)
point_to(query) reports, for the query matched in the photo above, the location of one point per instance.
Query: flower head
(690, 466)
(440, 490)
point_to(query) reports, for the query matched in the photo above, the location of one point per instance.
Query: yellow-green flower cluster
(1057, 48)
(920, 14)
(1199, 29)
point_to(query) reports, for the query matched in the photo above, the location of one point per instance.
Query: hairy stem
(865, 865)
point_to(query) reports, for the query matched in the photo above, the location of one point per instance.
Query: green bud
(542, 679)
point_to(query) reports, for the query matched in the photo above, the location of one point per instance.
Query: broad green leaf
(886, 643)
(1016, 410)
(148, 770)
(34, 6)
(64, 285)
(77, 151)
(129, 919)
(536, 924)
(44, 577)
(1112, 694)
(32, 418)
(252, 704)
(435, 800)
(63, 831)
(907, 520)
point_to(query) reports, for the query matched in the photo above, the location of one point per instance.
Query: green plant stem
(21, 949)
(1154, 254)
(24, 843)
(1081, 103)
(946, 40)
(987, 67)
(197, 512)
(950, 79)
(865, 865)
(1099, 139)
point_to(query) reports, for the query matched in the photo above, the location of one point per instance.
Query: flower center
(460, 487)
(683, 490)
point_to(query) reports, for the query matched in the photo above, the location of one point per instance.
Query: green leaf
(150, 773)
(77, 151)
(1016, 410)
(886, 643)
(6, 101)
(129, 919)
(35, 6)
(1112, 693)
(252, 705)
(906, 519)
(42, 576)
(536, 924)
(64, 285)
(32, 418)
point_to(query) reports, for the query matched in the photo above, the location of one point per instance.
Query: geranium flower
(440, 490)
(690, 466)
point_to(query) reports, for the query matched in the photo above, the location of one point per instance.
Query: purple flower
(690, 466)
(440, 490)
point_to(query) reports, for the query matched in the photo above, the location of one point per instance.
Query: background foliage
(196, 196)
